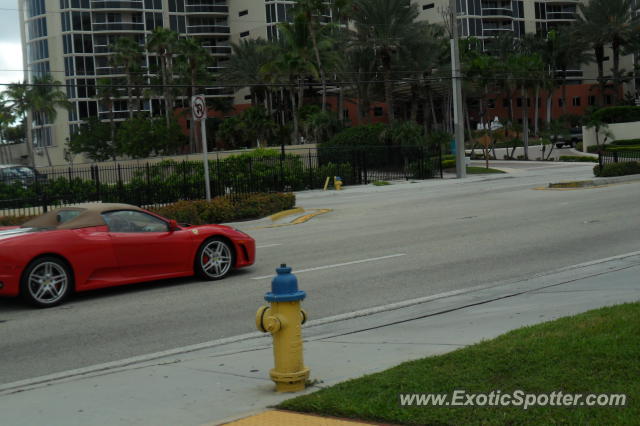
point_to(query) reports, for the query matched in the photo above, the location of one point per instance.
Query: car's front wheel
(215, 259)
(46, 282)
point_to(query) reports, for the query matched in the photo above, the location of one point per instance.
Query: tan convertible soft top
(90, 215)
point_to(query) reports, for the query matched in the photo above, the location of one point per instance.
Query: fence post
(310, 171)
(440, 159)
(600, 160)
(364, 166)
(120, 185)
(185, 189)
(97, 182)
(615, 156)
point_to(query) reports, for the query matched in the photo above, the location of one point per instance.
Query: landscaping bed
(591, 353)
(218, 210)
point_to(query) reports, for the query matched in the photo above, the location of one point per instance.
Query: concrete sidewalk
(225, 380)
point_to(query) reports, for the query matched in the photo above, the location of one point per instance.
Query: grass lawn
(597, 352)
(473, 170)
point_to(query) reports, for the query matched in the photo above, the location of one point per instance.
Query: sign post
(199, 111)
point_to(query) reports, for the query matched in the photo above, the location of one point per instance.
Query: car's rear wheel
(46, 282)
(215, 259)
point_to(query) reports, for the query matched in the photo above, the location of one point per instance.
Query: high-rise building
(71, 39)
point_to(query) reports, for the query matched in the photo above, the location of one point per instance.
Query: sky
(10, 45)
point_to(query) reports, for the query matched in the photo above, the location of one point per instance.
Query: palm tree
(106, 92)
(195, 58)
(386, 25)
(6, 118)
(244, 65)
(291, 64)
(17, 99)
(164, 43)
(127, 54)
(608, 22)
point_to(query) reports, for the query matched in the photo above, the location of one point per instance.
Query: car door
(146, 247)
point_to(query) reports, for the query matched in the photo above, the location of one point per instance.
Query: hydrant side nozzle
(303, 315)
(263, 311)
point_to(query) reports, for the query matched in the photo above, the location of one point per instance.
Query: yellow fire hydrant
(337, 183)
(284, 321)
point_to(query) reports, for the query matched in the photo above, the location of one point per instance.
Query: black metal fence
(609, 157)
(154, 184)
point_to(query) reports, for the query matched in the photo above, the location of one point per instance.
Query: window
(243, 12)
(505, 103)
(377, 111)
(591, 100)
(577, 101)
(244, 33)
(134, 221)
(560, 102)
(519, 102)
(428, 6)
(491, 103)
(608, 100)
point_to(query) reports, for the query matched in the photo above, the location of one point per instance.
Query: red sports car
(92, 246)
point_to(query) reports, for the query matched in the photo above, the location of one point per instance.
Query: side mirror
(173, 225)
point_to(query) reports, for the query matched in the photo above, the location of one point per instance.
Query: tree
(127, 54)
(6, 118)
(608, 22)
(94, 140)
(386, 25)
(164, 43)
(106, 92)
(17, 99)
(291, 64)
(244, 68)
(195, 58)
(141, 137)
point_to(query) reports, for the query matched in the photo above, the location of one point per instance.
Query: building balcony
(498, 12)
(495, 32)
(561, 16)
(116, 5)
(117, 26)
(208, 29)
(219, 50)
(209, 9)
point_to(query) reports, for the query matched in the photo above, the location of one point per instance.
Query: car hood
(8, 233)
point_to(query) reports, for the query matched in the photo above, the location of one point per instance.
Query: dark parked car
(575, 136)
(11, 174)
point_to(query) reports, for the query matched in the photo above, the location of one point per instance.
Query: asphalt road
(378, 245)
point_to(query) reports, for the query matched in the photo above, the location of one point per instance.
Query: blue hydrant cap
(284, 287)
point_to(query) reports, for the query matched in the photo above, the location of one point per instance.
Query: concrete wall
(619, 131)
(13, 154)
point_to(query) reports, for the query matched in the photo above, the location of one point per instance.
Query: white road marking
(336, 265)
(268, 245)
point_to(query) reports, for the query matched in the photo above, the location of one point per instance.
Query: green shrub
(594, 149)
(14, 220)
(224, 209)
(625, 142)
(618, 114)
(578, 159)
(579, 146)
(617, 169)
(448, 164)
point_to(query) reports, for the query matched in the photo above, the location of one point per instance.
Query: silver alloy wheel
(47, 283)
(215, 259)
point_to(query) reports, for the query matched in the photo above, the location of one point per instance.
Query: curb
(594, 182)
(285, 213)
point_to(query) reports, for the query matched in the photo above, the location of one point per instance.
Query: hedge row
(618, 114)
(200, 212)
(224, 209)
(578, 159)
(617, 169)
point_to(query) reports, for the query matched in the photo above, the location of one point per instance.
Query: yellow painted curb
(285, 213)
(303, 219)
(286, 418)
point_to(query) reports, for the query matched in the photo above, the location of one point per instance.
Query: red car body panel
(99, 258)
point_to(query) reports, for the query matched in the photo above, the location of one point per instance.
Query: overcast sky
(10, 47)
